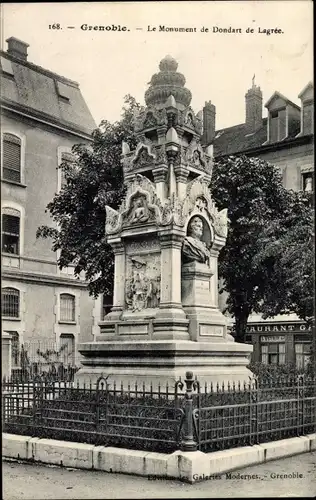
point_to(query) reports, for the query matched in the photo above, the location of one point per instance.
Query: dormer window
(283, 118)
(6, 66)
(278, 130)
(63, 91)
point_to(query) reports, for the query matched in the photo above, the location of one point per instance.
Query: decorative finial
(172, 136)
(165, 83)
(253, 81)
(171, 102)
(168, 63)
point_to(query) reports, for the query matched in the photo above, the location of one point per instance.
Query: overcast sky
(217, 67)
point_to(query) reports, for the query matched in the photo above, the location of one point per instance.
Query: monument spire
(167, 82)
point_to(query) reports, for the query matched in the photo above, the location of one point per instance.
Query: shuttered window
(10, 234)
(10, 303)
(11, 158)
(67, 348)
(67, 307)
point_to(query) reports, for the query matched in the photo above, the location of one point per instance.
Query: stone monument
(166, 237)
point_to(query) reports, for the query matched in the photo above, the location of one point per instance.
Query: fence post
(300, 404)
(38, 386)
(254, 413)
(188, 443)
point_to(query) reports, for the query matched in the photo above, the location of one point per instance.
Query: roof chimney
(253, 108)
(17, 48)
(209, 113)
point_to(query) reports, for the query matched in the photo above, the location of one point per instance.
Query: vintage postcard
(157, 178)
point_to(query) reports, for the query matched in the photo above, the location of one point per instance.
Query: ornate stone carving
(150, 118)
(195, 157)
(127, 162)
(143, 156)
(161, 156)
(199, 199)
(139, 211)
(140, 205)
(221, 223)
(113, 220)
(172, 212)
(180, 157)
(142, 286)
(187, 118)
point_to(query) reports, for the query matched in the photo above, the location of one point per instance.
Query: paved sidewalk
(24, 481)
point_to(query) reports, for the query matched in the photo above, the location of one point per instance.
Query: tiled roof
(237, 139)
(37, 88)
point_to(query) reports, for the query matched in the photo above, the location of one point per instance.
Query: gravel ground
(32, 481)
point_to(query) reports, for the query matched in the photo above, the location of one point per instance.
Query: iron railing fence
(250, 414)
(136, 417)
(188, 416)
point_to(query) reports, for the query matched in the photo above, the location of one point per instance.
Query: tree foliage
(94, 179)
(289, 250)
(269, 228)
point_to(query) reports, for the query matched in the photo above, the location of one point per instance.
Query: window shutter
(67, 307)
(11, 158)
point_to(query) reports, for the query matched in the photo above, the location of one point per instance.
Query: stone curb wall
(187, 466)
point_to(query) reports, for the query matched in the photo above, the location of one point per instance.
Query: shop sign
(272, 338)
(280, 328)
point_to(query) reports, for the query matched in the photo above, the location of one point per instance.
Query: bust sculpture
(193, 248)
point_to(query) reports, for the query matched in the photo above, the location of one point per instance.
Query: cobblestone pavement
(24, 481)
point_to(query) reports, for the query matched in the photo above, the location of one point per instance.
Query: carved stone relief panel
(142, 285)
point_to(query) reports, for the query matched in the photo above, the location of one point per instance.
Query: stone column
(218, 243)
(161, 132)
(181, 173)
(172, 181)
(119, 280)
(160, 176)
(214, 279)
(170, 322)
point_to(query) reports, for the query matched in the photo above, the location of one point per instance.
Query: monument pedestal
(206, 322)
(162, 361)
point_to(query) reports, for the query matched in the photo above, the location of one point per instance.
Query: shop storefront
(278, 342)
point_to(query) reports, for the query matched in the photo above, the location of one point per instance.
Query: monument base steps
(160, 361)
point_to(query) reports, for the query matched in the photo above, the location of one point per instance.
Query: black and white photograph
(158, 232)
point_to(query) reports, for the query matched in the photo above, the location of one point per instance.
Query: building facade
(286, 139)
(42, 116)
